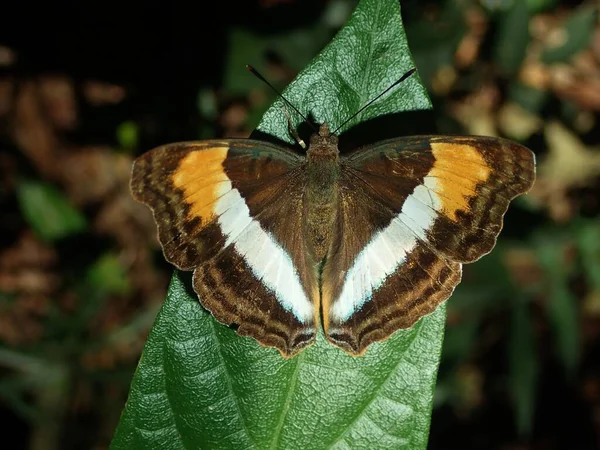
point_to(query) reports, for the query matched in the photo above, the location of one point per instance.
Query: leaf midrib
(228, 376)
(375, 396)
(293, 383)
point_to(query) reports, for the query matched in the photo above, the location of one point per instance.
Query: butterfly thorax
(321, 195)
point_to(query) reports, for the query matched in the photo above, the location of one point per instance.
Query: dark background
(85, 87)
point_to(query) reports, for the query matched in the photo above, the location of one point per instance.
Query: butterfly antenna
(369, 103)
(287, 102)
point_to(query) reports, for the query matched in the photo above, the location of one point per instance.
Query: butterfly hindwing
(211, 200)
(430, 203)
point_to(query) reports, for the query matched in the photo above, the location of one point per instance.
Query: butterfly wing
(426, 205)
(219, 213)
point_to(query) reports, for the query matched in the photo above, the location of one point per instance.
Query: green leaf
(245, 48)
(578, 33)
(588, 242)
(530, 98)
(47, 211)
(107, 275)
(434, 42)
(537, 6)
(200, 385)
(562, 304)
(513, 38)
(128, 135)
(366, 57)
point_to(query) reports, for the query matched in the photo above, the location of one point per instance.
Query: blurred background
(85, 87)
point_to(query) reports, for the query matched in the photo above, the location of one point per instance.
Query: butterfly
(282, 241)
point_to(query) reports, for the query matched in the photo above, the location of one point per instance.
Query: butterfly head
(323, 143)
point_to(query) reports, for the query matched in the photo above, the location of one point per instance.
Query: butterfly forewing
(411, 211)
(219, 212)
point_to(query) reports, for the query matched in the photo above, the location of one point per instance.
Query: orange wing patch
(458, 169)
(199, 175)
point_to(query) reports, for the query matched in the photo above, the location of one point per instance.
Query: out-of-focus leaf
(128, 135)
(578, 32)
(108, 275)
(523, 361)
(518, 123)
(459, 340)
(562, 308)
(527, 97)
(569, 162)
(336, 13)
(588, 239)
(295, 47)
(245, 47)
(47, 211)
(513, 38)
(434, 43)
(207, 103)
(536, 6)
(485, 283)
(200, 385)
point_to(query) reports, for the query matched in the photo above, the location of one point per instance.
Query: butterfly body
(363, 243)
(321, 194)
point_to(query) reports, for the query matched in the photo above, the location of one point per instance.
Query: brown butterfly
(365, 243)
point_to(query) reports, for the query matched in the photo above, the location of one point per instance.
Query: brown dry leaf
(469, 386)
(99, 93)
(33, 131)
(577, 85)
(475, 119)
(591, 303)
(7, 88)
(7, 56)
(28, 277)
(92, 174)
(57, 95)
(569, 164)
(477, 112)
(516, 122)
(523, 266)
(443, 80)
(468, 49)
(535, 74)
(234, 117)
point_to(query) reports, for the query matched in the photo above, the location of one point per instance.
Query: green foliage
(48, 211)
(561, 306)
(513, 38)
(529, 98)
(588, 244)
(107, 275)
(128, 135)
(200, 385)
(578, 31)
(434, 44)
